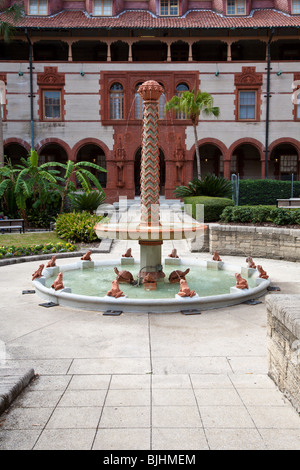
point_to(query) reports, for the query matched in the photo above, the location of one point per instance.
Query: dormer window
(169, 7)
(38, 7)
(236, 7)
(103, 7)
(296, 7)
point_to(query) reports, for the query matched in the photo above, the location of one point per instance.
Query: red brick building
(71, 73)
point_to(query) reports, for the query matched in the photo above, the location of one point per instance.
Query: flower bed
(46, 248)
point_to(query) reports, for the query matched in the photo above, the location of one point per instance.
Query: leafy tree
(192, 104)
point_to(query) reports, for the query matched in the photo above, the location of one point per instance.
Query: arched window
(138, 103)
(116, 101)
(162, 102)
(181, 88)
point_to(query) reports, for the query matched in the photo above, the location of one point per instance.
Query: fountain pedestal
(150, 258)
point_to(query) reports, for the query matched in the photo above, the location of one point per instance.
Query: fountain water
(151, 230)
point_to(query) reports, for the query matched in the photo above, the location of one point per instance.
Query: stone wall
(283, 337)
(265, 242)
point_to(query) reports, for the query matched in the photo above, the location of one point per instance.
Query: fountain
(152, 288)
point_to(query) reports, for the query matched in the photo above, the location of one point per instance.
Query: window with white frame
(180, 89)
(161, 104)
(138, 103)
(296, 7)
(236, 7)
(247, 105)
(102, 7)
(38, 7)
(52, 104)
(169, 7)
(116, 101)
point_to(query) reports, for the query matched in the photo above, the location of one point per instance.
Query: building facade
(70, 75)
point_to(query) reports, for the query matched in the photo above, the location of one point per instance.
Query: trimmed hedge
(261, 214)
(213, 206)
(266, 192)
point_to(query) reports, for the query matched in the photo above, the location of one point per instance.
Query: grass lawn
(29, 238)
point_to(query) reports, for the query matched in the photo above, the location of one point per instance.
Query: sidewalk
(142, 381)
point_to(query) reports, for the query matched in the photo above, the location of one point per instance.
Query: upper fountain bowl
(137, 231)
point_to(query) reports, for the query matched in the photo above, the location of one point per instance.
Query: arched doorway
(211, 161)
(284, 162)
(246, 162)
(53, 152)
(137, 172)
(94, 154)
(14, 152)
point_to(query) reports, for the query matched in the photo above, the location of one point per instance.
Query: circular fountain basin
(87, 282)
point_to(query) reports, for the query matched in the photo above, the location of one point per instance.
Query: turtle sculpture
(124, 277)
(177, 275)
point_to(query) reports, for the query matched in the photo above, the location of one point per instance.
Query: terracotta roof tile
(264, 18)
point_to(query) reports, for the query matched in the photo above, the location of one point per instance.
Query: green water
(96, 282)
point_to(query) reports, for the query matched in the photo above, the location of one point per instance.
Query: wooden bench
(12, 224)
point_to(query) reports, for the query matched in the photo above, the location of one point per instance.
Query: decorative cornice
(248, 76)
(50, 76)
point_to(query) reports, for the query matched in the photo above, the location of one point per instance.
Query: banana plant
(78, 170)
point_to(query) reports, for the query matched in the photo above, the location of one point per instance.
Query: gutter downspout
(31, 86)
(268, 102)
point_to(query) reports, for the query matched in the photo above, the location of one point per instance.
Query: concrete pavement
(142, 381)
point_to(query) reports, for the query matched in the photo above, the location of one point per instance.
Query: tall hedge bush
(213, 206)
(266, 192)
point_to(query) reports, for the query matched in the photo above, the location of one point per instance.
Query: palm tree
(192, 104)
(77, 170)
(8, 16)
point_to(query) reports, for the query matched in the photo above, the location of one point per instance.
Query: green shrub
(87, 201)
(213, 206)
(241, 214)
(265, 192)
(281, 216)
(260, 214)
(77, 227)
(210, 185)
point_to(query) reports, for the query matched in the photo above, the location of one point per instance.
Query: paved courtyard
(143, 381)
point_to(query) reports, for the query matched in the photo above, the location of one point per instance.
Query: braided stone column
(150, 92)
(150, 250)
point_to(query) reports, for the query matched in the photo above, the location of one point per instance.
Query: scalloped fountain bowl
(86, 284)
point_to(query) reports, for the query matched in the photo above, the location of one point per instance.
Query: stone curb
(12, 382)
